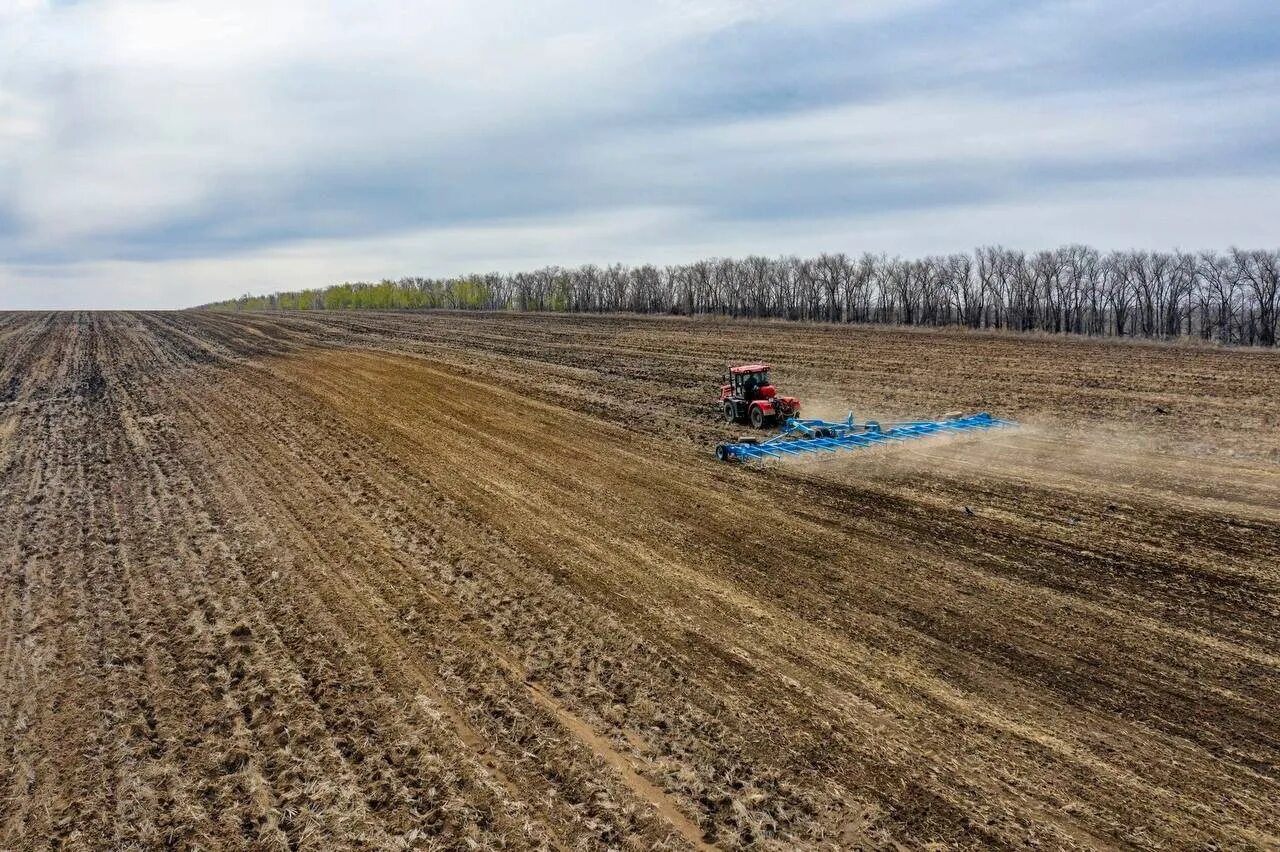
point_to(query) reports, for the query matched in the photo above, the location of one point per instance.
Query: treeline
(1230, 297)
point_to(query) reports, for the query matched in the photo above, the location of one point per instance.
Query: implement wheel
(757, 417)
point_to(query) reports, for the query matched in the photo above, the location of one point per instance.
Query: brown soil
(477, 581)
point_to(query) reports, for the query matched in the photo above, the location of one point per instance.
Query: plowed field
(384, 581)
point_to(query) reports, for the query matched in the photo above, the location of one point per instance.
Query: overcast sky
(163, 153)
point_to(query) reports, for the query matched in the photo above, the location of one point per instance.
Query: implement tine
(816, 436)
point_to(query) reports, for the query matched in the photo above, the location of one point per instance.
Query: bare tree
(1221, 288)
(1260, 272)
(1073, 289)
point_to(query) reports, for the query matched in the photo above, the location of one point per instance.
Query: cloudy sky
(163, 153)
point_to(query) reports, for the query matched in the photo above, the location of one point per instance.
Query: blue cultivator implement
(801, 437)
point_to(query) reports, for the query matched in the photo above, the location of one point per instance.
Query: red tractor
(749, 396)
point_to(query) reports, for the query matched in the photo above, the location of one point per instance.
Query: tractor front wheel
(757, 417)
(730, 414)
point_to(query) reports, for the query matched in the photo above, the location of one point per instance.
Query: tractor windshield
(751, 383)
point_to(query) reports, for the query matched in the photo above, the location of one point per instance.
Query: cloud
(139, 137)
(1187, 214)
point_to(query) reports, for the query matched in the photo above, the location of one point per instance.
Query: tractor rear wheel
(730, 414)
(757, 417)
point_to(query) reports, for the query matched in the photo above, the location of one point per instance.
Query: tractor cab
(752, 382)
(748, 395)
